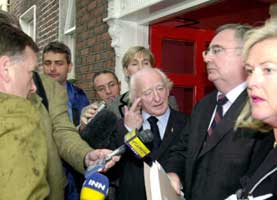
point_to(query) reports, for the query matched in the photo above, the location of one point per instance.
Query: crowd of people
(50, 133)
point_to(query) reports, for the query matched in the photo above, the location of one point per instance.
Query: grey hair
(240, 30)
(133, 84)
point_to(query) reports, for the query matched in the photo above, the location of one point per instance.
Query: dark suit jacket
(210, 167)
(130, 168)
(269, 184)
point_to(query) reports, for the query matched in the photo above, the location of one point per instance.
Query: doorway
(178, 42)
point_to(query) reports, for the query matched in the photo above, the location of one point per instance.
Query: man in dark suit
(211, 156)
(149, 91)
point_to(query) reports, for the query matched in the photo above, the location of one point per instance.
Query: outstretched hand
(99, 154)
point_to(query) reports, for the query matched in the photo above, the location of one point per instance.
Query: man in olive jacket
(23, 151)
(23, 148)
(63, 141)
(62, 138)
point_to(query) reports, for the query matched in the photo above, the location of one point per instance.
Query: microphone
(95, 187)
(101, 106)
(134, 141)
(100, 128)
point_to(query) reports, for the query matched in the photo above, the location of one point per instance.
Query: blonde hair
(259, 34)
(252, 37)
(132, 51)
(245, 120)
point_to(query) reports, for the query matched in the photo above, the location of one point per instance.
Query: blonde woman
(260, 55)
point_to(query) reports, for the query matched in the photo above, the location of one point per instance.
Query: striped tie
(221, 100)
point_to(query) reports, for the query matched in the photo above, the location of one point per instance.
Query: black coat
(130, 169)
(269, 184)
(210, 168)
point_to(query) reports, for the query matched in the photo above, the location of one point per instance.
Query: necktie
(156, 133)
(221, 100)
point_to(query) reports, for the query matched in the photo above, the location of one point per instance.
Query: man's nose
(156, 95)
(207, 56)
(108, 90)
(52, 67)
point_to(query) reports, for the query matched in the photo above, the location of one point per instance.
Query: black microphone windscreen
(99, 129)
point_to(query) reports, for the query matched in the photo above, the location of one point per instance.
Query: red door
(178, 52)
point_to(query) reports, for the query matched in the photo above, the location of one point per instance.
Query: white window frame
(70, 16)
(4, 4)
(67, 15)
(28, 22)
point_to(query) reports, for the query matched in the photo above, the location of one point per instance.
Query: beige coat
(62, 137)
(23, 151)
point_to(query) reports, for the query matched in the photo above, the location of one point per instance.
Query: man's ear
(70, 67)
(5, 68)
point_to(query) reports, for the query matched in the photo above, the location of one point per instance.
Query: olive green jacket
(23, 151)
(62, 137)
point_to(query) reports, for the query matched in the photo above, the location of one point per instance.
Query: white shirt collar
(233, 94)
(162, 123)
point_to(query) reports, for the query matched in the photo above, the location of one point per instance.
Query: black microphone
(99, 129)
(133, 140)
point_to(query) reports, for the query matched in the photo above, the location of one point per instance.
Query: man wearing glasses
(106, 85)
(107, 88)
(211, 156)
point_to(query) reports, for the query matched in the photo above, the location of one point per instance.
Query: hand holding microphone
(93, 157)
(134, 141)
(89, 112)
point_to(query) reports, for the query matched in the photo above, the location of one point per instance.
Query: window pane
(177, 56)
(70, 17)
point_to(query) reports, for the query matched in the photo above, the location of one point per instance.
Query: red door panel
(178, 52)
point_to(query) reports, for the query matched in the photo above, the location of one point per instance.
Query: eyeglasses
(216, 50)
(149, 93)
(103, 88)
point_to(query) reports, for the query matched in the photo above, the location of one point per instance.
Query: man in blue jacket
(57, 64)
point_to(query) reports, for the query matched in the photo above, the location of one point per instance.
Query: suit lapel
(172, 129)
(198, 133)
(169, 134)
(269, 163)
(205, 120)
(225, 125)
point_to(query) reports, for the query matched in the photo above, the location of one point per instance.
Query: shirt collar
(233, 94)
(162, 118)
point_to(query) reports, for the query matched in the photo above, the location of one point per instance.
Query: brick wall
(47, 18)
(93, 43)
